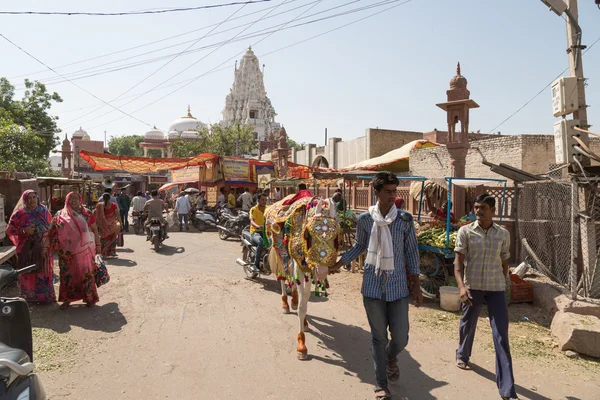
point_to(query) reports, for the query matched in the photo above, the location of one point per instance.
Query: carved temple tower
(247, 101)
(66, 158)
(457, 109)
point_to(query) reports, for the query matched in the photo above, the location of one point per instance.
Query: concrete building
(247, 101)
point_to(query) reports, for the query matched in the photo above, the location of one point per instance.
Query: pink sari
(74, 243)
(37, 286)
(107, 219)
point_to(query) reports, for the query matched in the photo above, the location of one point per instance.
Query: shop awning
(395, 160)
(140, 165)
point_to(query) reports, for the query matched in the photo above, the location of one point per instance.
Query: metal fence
(560, 234)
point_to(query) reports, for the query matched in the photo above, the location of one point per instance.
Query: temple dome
(154, 134)
(458, 81)
(79, 134)
(189, 135)
(186, 123)
(174, 134)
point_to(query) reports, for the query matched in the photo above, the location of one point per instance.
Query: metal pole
(325, 136)
(574, 48)
(502, 206)
(448, 213)
(574, 237)
(420, 200)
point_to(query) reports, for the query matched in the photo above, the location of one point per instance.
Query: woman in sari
(109, 224)
(75, 238)
(28, 230)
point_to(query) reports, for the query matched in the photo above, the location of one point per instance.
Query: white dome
(86, 137)
(174, 134)
(154, 134)
(189, 134)
(187, 123)
(79, 133)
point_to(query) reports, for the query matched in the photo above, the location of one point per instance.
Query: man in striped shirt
(389, 236)
(481, 270)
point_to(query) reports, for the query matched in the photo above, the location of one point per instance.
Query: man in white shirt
(277, 194)
(182, 206)
(138, 202)
(246, 200)
(221, 198)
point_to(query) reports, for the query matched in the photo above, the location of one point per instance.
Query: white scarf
(381, 251)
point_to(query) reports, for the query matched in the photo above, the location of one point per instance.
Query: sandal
(383, 395)
(462, 364)
(65, 305)
(393, 371)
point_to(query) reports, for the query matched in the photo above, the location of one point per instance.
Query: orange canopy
(140, 165)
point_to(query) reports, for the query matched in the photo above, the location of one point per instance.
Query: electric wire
(126, 13)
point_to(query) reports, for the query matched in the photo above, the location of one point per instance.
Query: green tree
(295, 145)
(32, 112)
(19, 150)
(236, 139)
(126, 145)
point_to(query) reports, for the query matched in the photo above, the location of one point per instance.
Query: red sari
(107, 219)
(72, 238)
(37, 286)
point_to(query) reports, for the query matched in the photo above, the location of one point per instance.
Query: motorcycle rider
(154, 208)
(257, 223)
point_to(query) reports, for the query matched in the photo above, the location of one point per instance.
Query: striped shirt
(484, 252)
(389, 286)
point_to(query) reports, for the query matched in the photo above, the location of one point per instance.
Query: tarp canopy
(394, 161)
(140, 165)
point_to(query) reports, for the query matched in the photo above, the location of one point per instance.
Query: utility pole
(325, 136)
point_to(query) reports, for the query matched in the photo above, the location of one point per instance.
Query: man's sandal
(383, 395)
(392, 370)
(462, 364)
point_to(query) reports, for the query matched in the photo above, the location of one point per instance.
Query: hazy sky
(386, 71)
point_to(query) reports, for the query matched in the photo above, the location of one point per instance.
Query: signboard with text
(236, 170)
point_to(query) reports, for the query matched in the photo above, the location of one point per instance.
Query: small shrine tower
(457, 109)
(67, 158)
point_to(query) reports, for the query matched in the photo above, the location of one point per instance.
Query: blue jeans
(498, 312)
(383, 315)
(183, 217)
(257, 237)
(124, 217)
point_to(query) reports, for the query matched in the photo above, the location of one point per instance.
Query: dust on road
(185, 324)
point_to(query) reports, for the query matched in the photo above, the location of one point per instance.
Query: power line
(264, 55)
(165, 64)
(73, 83)
(123, 13)
(540, 92)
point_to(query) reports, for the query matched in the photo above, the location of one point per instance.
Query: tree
(19, 148)
(31, 112)
(126, 145)
(233, 140)
(295, 145)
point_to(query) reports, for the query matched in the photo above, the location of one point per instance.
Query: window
(59, 165)
(253, 114)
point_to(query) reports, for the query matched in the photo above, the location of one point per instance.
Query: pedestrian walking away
(124, 203)
(481, 271)
(388, 235)
(182, 207)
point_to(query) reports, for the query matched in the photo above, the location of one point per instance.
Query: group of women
(74, 234)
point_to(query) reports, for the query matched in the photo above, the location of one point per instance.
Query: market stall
(396, 160)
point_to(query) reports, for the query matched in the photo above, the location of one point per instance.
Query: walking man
(182, 206)
(481, 270)
(389, 236)
(124, 202)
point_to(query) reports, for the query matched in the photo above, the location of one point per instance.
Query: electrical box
(563, 140)
(565, 98)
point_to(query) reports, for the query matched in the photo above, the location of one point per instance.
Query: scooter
(204, 220)
(17, 380)
(249, 255)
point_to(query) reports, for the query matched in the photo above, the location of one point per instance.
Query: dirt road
(185, 324)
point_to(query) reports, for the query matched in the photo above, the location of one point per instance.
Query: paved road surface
(185, 324)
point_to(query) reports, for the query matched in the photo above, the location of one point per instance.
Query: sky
(387, 71)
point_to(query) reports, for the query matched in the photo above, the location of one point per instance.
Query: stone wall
(350, 152)
(381, 141)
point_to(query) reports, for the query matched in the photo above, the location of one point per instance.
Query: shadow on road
(352, 348)
(106, 318)
(521, 391)
(121, 262)
(166, 250)
(273, 285)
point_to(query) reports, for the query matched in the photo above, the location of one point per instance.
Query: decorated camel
(305, 235)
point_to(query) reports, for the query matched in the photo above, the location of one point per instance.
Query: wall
(381, 141)
(350, 152)
(95, 146)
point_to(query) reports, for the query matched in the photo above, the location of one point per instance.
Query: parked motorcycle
(17, 380)
(232, 225)
(156, 233)
(204, 220)
(249, 256)
(138, 221)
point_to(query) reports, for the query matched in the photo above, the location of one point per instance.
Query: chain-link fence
(559, 232)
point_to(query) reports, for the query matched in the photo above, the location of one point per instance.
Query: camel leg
(304, 296)
(285, 308)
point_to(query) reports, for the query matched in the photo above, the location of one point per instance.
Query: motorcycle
(156, 233)
(17, 380)
(232, 225)
(138, 221)
(204, 219)
(249, 256)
